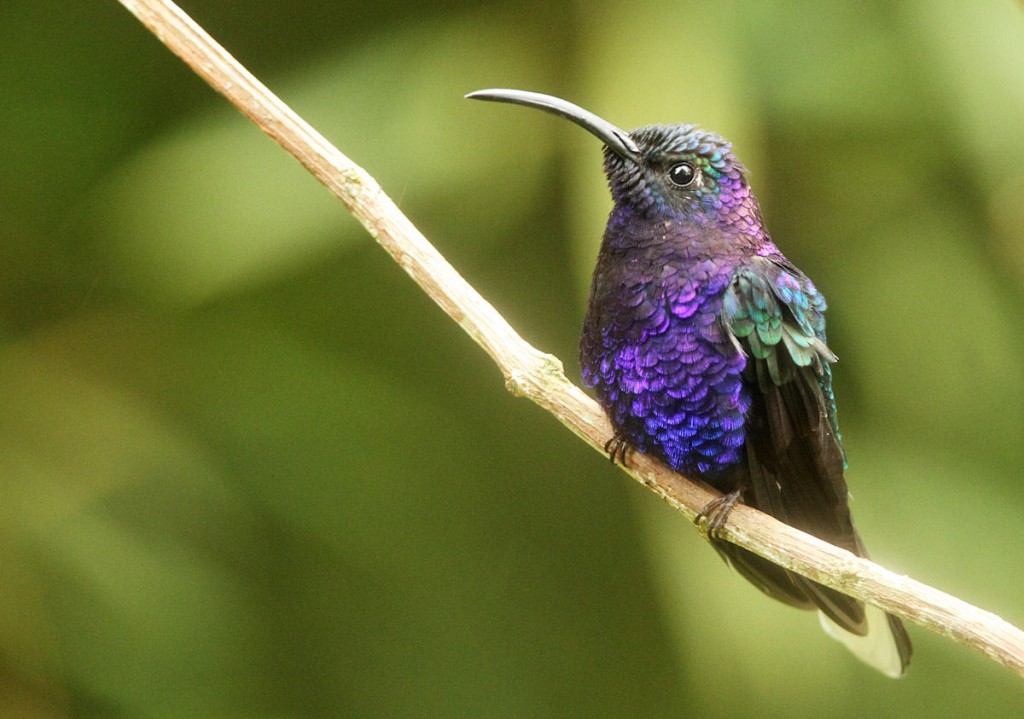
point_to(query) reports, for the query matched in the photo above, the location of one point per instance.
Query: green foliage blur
(248, 470)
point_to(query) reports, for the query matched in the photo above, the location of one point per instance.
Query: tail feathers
(886, 646)
(876, 638)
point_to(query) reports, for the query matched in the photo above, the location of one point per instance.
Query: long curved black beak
(618, 141)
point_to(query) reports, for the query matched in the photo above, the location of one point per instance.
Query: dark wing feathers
(794, 459)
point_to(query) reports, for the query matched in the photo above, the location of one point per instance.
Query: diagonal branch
(539, 376)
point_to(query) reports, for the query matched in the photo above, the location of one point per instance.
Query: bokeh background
(248, 470)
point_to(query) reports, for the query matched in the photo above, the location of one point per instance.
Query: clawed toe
(616, 447)
(716, 513)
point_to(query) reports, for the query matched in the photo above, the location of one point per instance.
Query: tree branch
(539, 376)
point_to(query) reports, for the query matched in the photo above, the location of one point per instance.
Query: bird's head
(660, 171)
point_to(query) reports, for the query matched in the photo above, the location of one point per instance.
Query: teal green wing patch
(756, 312)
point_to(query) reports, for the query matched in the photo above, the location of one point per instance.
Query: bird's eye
(682, 174)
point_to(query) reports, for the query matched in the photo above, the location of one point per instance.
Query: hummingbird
(706, 347)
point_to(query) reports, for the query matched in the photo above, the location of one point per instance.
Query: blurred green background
(248, 470)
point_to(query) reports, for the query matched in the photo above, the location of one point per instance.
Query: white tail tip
(877, 648)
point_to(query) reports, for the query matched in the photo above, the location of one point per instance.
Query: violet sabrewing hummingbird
(706, 347)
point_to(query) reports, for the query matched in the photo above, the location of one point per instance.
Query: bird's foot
(616, 447)
(716, 512)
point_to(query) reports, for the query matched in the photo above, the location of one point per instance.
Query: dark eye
(682, 174)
